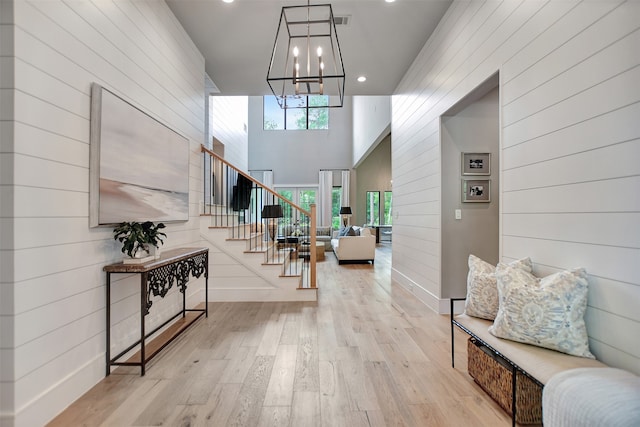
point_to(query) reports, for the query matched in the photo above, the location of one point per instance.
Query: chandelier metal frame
(299, 69)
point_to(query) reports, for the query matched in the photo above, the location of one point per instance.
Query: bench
(535, 363)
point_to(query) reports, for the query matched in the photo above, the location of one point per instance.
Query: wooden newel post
(313, 248)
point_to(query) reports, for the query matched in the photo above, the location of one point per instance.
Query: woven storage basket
(493, 374)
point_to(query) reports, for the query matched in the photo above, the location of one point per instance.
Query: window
(336, 197)
(303, 197)
(388, 213)
(275, 118)
(373, 208)
(306, 198)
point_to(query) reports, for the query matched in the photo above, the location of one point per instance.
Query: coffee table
(305, 250)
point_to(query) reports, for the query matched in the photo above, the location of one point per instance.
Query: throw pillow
(482, 290)
(547, 312)
(352, 231)
(343, 231)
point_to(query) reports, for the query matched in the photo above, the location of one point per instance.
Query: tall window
(388, 213)
(275, 118)
(336, 197)
(372, 209)
(306, 198)
(303, 197)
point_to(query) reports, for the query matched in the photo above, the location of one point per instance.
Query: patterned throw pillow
(482, 290)
(547, 312)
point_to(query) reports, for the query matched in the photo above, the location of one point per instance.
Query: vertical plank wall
(138, 50)
(569, 109)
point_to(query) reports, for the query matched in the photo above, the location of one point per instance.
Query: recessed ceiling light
(231, 1)
(388, 1)
(362, 79)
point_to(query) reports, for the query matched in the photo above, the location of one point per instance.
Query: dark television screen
(241, 198)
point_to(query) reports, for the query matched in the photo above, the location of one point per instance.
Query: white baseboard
(47, 405)
(422, 294)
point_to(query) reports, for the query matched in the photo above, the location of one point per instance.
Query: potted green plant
(139, 240)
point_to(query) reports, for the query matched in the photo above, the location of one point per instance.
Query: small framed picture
(476, 191)
(476, 163)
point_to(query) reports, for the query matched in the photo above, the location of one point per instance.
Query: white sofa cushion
(541, 363)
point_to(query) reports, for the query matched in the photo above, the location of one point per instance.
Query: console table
(156, 279)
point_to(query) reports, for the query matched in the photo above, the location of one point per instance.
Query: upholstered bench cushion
(588, 397)
(540, 363)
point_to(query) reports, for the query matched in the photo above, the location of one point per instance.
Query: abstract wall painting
(139, 166)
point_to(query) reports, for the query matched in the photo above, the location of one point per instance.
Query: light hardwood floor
(367, 353)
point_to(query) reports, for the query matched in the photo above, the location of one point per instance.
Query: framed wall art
(476, 163)
(139, 167)
(476, 191)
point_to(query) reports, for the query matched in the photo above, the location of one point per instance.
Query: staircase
(245, 264)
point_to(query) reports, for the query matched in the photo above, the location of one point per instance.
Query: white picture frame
(476, 164)
(476, 190)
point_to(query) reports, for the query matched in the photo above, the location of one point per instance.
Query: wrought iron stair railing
(234, 200)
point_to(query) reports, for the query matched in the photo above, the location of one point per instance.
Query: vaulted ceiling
(380, 40)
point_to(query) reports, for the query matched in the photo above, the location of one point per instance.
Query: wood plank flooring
(366, 354)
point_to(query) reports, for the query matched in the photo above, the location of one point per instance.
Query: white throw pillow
(547, 312)
(482, 290)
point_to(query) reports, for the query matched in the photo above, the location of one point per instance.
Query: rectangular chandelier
(306, 69)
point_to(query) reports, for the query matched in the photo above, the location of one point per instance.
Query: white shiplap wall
(570, 140)
(138, 50)
(290, 154)
(371, 124)
(229, 125)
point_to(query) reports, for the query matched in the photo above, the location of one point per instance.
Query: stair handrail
(204, 149)
(310, 214)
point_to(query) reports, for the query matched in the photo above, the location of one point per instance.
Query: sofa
(354, 244)
(323, 234)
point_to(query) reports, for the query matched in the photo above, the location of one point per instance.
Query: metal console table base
(157, 277)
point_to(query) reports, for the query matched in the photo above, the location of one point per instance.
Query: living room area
(327, 166)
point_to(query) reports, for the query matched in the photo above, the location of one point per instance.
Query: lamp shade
(345, 210)
(271, 211)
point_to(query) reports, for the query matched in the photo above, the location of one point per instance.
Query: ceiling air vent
(342, 20)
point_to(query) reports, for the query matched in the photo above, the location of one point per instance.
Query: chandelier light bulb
(319, 51)
(295, 51)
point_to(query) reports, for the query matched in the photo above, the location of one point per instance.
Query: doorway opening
(470, 217)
